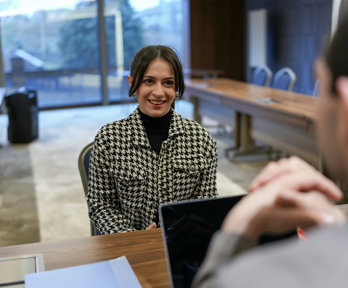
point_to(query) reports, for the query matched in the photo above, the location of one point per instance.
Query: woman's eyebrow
(166, 78)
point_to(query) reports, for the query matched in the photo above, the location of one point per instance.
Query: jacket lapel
(177, 126)
(136, 130)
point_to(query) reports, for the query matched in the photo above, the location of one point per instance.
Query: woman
(154, 155)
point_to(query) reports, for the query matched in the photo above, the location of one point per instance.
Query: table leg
(237, 137)
(246, 142)
(245, 138)
(196, 114)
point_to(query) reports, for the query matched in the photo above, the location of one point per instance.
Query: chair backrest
(262, 76)
(284, 79)
(83, 164)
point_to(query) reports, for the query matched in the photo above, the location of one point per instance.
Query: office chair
(262, 76)
(83, 164)
(284, 79)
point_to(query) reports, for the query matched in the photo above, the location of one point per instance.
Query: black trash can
(23, 115)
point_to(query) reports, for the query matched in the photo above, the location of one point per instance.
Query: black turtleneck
(156, 129)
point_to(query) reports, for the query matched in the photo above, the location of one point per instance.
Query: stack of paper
(115, 273)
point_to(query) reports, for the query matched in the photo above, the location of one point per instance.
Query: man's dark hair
(143, 58)
(336, 55)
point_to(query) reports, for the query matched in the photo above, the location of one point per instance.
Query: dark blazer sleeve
(223, 247)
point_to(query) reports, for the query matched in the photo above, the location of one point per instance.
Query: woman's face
(156, 93)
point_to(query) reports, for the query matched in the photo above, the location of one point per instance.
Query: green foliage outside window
(78, 40)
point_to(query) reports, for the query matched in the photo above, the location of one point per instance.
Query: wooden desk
(282, 119)
(143, 249)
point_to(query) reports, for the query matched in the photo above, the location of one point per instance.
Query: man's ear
(342, 90)
(130, 80)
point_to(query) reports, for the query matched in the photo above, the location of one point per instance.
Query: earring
(177, 95)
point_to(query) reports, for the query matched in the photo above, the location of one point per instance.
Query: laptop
(187, 227)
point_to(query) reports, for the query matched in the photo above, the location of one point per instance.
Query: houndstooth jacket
(128, 179)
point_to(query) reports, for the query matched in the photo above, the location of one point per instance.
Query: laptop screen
(187, 228)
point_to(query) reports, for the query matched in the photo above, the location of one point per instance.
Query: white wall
(257, 37)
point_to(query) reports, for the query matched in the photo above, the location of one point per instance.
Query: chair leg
(232, 153)
(220, 128)
(256, 150)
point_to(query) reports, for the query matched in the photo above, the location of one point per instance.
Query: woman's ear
(130, 80)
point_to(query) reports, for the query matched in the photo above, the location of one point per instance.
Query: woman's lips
(156, 102)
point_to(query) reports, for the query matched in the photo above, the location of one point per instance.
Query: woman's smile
(157, 102)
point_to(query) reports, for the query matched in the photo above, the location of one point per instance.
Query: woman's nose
(158, 90)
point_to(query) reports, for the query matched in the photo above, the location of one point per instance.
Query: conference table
(143, 249)
(282, 119)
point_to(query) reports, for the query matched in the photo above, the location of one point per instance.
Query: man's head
(332, 113)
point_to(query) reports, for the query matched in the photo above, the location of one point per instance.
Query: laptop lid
(187, 228)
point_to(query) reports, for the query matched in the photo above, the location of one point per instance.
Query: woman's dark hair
(336, 54)
(143, 58)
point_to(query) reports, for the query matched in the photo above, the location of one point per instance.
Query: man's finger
(280, 220)
(277, 169)
(306, 182)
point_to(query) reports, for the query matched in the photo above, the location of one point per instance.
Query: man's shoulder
(293, 263)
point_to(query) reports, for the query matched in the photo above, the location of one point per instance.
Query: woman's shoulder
(112, 127)
(194, 127)
(118, 125)
(116, 130)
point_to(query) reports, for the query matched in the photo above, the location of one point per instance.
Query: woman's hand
(151, 226)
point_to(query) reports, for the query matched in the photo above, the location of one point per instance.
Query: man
(291, 194)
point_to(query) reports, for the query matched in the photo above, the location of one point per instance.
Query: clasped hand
(285, 195)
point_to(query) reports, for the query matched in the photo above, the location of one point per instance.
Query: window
(54, 46)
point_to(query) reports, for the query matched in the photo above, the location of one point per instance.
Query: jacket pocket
(130, 187)
(187, 174)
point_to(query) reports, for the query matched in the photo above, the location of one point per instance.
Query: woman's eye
(169, 82)
(148, 81)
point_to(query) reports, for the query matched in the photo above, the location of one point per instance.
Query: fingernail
(328, 219)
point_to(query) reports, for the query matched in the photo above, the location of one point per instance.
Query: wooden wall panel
(218, 36)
